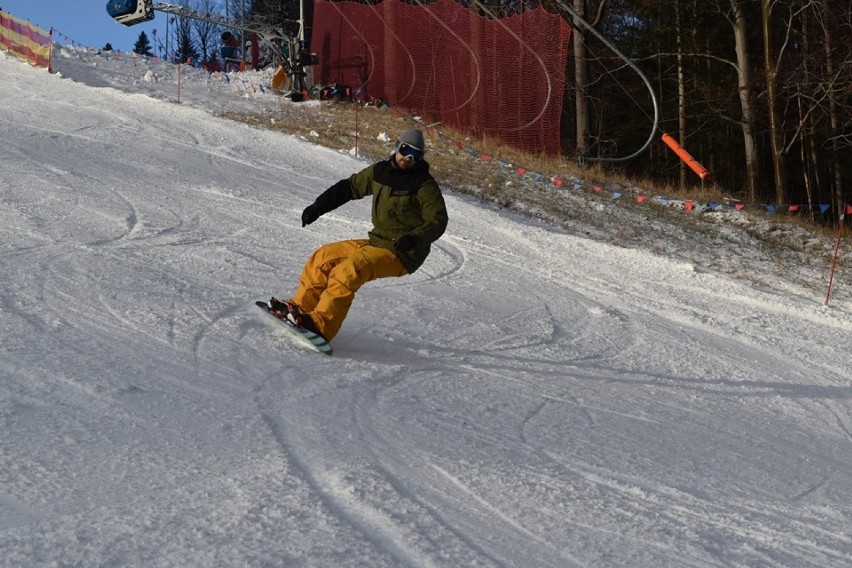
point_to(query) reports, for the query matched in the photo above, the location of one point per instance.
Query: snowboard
(301, 337)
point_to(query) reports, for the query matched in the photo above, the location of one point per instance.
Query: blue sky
(86, 22)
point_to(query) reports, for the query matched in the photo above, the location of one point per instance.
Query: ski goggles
(408, 151)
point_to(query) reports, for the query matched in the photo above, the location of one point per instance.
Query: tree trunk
(681, 94)
(809, 154)
(834, 121)
(581, 81)
(744, 86)
(770, 65)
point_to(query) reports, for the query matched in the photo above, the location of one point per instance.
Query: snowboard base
(302, 337)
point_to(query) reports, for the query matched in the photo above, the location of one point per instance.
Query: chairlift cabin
(129, 12)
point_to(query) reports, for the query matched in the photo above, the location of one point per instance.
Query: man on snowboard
(409, 214)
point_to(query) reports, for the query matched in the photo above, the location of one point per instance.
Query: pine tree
(185, 45)
(142, 45)
(107, 47)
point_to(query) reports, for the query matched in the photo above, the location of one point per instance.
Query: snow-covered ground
(529, 398)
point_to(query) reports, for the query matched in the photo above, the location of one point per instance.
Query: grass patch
(342, 126)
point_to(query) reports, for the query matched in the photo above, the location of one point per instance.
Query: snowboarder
(408, 215)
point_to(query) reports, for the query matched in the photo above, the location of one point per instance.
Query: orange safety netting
(24, 40)
(489, 77)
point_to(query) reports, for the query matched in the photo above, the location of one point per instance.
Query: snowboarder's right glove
(405, 243)
(329, 200)
(310, 214)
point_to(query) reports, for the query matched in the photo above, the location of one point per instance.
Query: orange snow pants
(334, 273)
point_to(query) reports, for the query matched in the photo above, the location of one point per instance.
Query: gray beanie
(413, 138)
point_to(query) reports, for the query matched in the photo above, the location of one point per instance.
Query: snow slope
(528, 398)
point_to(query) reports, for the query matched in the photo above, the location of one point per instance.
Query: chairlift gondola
(129, 12)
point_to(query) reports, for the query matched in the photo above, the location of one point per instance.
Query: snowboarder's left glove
(310, 214)
(405, 243)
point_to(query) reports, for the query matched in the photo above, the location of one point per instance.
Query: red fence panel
(24, 40)
(488, 77)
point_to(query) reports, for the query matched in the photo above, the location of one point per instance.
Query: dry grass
(335, 124)
(374, 130)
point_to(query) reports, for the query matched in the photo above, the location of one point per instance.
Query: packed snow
(531, 397)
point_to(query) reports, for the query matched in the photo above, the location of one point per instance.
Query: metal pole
(834, 261)
(243, 35)
(301, 23)
(303, 69)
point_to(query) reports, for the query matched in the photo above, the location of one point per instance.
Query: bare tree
(745, 87)
(835, 92)
(581, 75)
(206, 33)
(681, 93)
(803, 122)
(581, 67)
(772, 58)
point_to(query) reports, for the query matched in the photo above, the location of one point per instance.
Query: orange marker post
(686, 157)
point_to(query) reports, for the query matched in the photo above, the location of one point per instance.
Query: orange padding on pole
(686, 157)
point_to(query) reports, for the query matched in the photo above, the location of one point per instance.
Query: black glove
(405, 243)
(310, 214)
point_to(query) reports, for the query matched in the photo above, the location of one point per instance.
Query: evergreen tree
(107, 47)
(142, 45)
(185, 45)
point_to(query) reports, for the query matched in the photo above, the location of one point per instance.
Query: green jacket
(405, 202)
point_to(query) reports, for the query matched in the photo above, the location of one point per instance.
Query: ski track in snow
(528, 398)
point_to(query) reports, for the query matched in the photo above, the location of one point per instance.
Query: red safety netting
(24, 40)
(488, 77)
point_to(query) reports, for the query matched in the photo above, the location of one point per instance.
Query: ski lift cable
(475, 89)
(656, 120)
(535, 54)
(627, 93)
